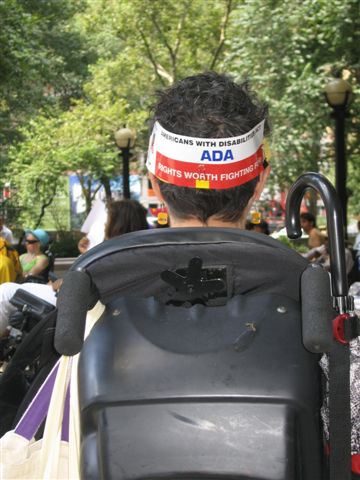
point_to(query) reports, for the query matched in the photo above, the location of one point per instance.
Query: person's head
(262, 227)
(210, 106)
(125, 216)
(36, 240)
(307, 221)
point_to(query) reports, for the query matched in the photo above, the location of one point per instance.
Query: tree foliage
(169, 39)
(76, 71)
(141, 47)
(290, 50)
(43, 62)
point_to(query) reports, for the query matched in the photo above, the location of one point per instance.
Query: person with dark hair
(308, 224)
(206, 160)
(125, 216)
(261, 227)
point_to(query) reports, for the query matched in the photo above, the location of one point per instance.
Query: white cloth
(75, 431)
(94, 225)
(7, 290)
(47, 458)
(6, 234)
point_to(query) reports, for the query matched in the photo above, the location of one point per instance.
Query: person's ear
(261, 183)
(155, 187)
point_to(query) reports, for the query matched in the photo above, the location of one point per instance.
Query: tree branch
(86, 190)
(45, 205)
(224, 25)
(163, 38)
(179, 30)
(151, 57)
(180, 27)
(165, 74)
(162, 71)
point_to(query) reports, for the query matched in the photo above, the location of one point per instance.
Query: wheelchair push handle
(335, 229)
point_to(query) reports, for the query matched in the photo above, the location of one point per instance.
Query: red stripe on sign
(220, 175)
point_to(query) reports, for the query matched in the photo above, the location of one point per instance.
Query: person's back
(308, 223)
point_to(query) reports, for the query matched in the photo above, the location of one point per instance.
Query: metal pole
(340, 161)
(126, 176)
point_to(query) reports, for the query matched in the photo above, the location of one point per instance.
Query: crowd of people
(127, 216)
(15, 267)
(318, 244)
(31, 269)
(123, 216)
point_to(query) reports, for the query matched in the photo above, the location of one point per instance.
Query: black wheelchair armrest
(31, 304)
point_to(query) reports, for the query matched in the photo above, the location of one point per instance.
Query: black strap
(339, 412)
(352, 327)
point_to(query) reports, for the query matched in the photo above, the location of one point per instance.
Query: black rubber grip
(317, 311)
(76, 297)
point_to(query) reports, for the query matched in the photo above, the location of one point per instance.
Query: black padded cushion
(130, 265)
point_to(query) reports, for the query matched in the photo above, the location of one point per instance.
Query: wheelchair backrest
(197, 363)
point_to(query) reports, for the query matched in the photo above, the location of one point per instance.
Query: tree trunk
(105, 181)
(312, 198)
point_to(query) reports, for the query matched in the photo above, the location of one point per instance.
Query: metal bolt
(116, 312)
(281, 309)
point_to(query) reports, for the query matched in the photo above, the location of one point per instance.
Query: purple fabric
(66, 417)
(36, 412)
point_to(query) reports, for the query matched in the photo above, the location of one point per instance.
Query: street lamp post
(338, 95)
(125, 140)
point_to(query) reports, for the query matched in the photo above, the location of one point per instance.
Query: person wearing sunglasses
(124, 216)
(34, 261)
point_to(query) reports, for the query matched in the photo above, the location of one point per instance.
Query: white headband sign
(215, 163)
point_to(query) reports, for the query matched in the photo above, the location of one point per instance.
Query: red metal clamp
(339, 329)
